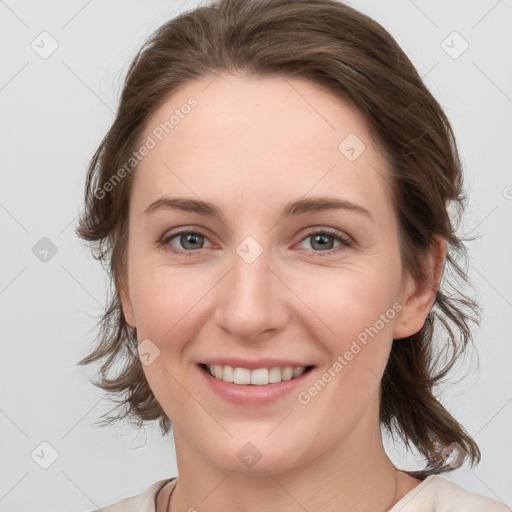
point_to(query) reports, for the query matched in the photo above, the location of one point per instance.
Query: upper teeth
(259, 377)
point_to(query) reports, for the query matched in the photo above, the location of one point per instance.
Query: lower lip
(251, 394)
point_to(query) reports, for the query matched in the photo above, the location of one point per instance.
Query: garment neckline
(397, 506)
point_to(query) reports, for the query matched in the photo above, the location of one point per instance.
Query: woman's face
(298, 266)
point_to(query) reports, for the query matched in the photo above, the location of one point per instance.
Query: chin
(258, 457)
(273, 464)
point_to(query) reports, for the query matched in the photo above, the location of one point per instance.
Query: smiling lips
(258, 376)
(253, 383)
(260, 372)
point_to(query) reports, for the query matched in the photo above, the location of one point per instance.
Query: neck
(356, 474)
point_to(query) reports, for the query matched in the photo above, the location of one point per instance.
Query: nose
(252, 299)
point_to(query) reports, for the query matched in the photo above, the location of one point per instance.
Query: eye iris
(323, 245)
(189, 238)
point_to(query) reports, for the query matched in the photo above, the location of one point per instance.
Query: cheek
(156, 304)
(357, 308)
(349, 300)
(360, 310)
(169, 303)
(166, 305)
(157, 290)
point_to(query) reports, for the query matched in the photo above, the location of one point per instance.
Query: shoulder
(452, 496)
(438, 494)
(143, 502)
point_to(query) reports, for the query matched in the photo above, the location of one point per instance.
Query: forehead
(240, 139)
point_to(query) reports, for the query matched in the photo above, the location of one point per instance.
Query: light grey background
(54, 112)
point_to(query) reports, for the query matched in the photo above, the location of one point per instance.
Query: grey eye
(321, 241)
(190, 241)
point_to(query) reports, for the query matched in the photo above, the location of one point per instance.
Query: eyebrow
(293, 208)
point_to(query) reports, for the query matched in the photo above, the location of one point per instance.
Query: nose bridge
(251, 301)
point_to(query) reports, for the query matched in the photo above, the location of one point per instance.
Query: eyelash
(344, 240)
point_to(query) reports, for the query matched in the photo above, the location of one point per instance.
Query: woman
(272, 200)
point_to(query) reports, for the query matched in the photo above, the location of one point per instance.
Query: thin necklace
(168, 507)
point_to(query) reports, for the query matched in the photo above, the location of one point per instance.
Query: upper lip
(253, 364)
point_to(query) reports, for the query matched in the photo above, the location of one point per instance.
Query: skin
(251, 145)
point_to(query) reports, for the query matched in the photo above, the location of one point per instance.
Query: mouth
(266, 376)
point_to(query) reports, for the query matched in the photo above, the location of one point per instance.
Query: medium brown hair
(336, 46)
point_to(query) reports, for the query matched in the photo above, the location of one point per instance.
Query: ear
(126, 303)
(418, 296)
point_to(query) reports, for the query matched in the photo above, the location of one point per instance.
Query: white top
(434, 494)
